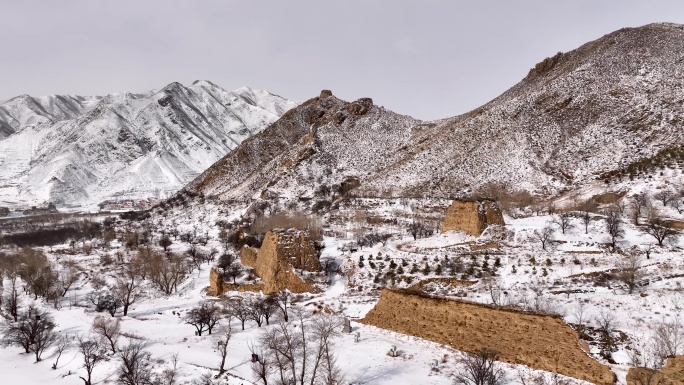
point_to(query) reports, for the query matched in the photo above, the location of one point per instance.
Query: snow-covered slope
(26, 111)
(612, 104)
(77, 151)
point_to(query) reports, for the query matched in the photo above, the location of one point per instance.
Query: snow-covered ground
(560, 279)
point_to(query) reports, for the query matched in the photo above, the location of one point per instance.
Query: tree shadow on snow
(370, 375)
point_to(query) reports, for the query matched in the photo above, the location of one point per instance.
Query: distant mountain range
(76, 151)
(610, 110)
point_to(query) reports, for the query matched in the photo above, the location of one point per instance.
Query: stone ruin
(472, 216)
(281, 252)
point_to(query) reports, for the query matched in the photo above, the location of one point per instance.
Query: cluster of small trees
(41, 277)
(655, 225)
(298, 355)
(259, 309)
(421, 229)
(135, 364)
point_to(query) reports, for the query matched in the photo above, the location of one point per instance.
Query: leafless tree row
(298, 354)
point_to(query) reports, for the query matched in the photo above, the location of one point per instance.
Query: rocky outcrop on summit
(576, 117)
(79, 151)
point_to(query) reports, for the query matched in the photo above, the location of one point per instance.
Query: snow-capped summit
(78, 151)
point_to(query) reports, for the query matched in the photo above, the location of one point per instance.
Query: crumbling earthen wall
(215, 282)
(540, 342)
(671, 374)
(280, 252)
(217, 286)
(472, 216)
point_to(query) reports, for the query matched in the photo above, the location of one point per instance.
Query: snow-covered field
(561, 279)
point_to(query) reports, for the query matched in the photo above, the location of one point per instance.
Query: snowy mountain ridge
(607, 108)
(78, 151)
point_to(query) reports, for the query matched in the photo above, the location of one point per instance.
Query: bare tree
(676, 201)
(167, 273)
(664, 196)
(237, 307)
(281, 300)
(168, 376)
(33, 331)
(579, 313)
(92, 353)
(643, 354)
(135, 367)
(254, 310)
(37, 272)
(226, 259)
(127, 289)
(109, 329)
(324, 366)
(545, 236)
(261, 364)
(234, 270)
(103, 300)
(45, 337)
(493, 286)
(62, 343)
(563, 221)
(12, 301)
(301, 355)
(605, 320)
(165, 241)
(418, 229)
(638, 204)
(267, 307)
(629, 270)
(222, 343)
(204, 317)
(480, 368)
(660, 230)
(224, 238)
(648, 249)
(586, 218)
(614, 226)
(67, 278)
(196, 256)
(669, 338)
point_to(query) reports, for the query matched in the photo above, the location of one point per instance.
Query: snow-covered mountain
(612, 108)
(79, 151)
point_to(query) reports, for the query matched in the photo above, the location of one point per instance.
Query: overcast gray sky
(428, 59)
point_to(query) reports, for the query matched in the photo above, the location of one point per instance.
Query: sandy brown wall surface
(274, 262)
(472, 216)
(540, 342)
(671, 374)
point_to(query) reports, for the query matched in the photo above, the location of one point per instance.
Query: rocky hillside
(78, 151)
(612, 108)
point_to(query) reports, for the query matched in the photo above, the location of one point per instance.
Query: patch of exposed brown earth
(540, 342)
(472, 216)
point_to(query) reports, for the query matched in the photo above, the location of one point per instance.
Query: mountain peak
(126, 145)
